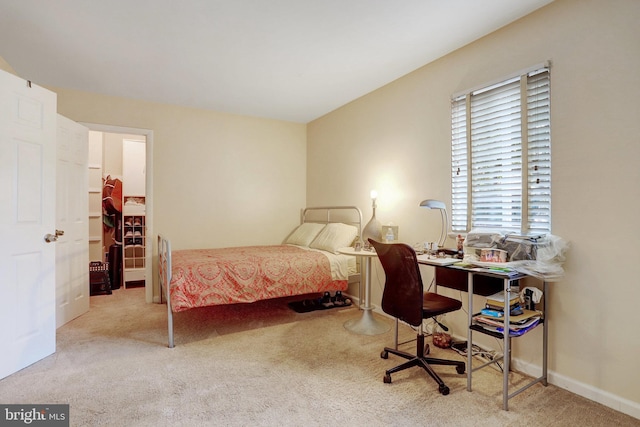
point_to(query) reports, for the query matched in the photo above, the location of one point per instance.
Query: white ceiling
(293, 60)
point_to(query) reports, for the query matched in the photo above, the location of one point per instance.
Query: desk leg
(469, 332)
(545, 334)
(507, 347)
(367, 324)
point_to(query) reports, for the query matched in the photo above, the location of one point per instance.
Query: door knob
(53, 237)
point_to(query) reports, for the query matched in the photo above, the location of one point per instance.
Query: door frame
(148, 134)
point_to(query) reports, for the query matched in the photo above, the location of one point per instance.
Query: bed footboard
(164, 277)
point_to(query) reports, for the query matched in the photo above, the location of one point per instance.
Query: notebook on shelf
(498, 299)
(520, 319)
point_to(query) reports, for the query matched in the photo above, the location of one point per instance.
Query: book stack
(520, 320)
(497, 301)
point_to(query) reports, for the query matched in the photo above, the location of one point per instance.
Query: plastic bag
(519, 248)
(479, 239)
(549, 259)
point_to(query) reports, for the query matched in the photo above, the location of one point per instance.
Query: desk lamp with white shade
(437, 204)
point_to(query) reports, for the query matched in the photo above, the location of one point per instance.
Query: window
(501, 156)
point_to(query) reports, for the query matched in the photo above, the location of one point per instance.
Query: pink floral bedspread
(204, 277)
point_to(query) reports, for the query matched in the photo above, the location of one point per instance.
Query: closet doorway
(124, 238)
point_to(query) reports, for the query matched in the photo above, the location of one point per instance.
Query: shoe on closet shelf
(128, 238)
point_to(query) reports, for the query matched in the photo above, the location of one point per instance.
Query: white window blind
(501, 156)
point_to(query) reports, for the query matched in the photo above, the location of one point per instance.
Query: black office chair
(404, 298)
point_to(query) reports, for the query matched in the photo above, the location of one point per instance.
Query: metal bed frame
(320, 214)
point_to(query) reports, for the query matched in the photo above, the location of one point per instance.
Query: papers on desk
(424, 259)
(501, 269)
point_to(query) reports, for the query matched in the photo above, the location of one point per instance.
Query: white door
(72, 217)
(27, 215)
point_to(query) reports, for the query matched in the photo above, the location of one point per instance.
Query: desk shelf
(484, 283)
(506, 338)
(500, 335)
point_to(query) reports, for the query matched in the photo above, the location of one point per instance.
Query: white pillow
(304, 234)
(335, 236)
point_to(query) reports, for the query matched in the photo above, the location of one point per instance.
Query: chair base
(420, 360)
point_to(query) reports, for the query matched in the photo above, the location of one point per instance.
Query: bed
(307, 262)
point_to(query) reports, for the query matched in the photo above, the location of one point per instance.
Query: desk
(366, 324)
(507, 280)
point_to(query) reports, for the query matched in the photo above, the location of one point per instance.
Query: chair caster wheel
(384, 354)
(444, 390)
(387, 379)
(460, 369)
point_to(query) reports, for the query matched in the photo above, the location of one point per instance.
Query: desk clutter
(540, 256)
(492, 316)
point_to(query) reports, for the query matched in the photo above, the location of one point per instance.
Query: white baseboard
(587, 391)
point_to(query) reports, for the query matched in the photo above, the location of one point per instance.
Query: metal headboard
(345, 214)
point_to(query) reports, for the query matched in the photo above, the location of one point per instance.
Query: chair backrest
(403, 290)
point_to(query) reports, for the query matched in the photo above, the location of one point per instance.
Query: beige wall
(4, 65)
(218, 179)
(397, 138)
(112, 154)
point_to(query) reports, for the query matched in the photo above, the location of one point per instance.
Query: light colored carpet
(263, 364)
